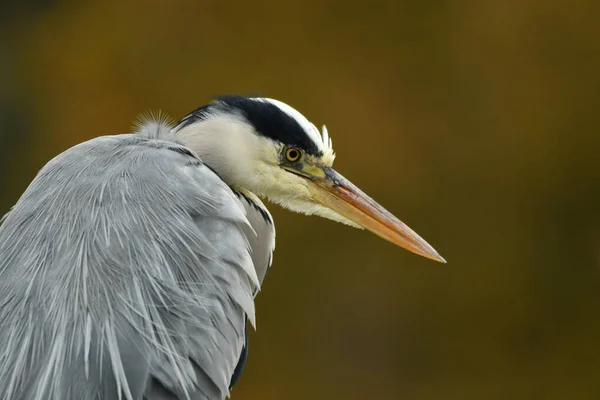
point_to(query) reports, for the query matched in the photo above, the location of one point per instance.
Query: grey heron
(129, 266)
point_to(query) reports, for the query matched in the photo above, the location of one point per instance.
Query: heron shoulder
(261, 230)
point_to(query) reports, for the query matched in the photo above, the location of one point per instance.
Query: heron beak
(340, 195)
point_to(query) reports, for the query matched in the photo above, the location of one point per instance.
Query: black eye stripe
(268, 120)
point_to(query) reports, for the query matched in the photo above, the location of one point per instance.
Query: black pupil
(293, 154)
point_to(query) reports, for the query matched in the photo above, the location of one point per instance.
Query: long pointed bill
(350, 202)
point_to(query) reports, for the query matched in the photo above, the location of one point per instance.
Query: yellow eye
(293, 154)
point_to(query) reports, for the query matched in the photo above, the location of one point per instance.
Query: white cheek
(244, 159)
(274, 182)
(268, 179)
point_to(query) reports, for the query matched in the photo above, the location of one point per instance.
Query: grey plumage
(126, 271)
(128, 268)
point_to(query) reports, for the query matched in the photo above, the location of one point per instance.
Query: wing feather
(126, 272)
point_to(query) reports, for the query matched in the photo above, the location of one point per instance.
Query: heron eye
(292, 154)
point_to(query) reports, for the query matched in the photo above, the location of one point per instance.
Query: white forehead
(322, 141)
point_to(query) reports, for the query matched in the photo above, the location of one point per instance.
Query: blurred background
(476, 122)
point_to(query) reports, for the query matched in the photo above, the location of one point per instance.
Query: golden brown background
(475, 121)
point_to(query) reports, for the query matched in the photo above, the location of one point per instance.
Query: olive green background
(475, 121)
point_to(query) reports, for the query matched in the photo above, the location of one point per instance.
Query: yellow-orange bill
(350, 202)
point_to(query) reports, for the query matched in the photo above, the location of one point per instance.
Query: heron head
(267, 147)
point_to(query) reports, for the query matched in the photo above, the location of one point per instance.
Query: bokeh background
(475, 121)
